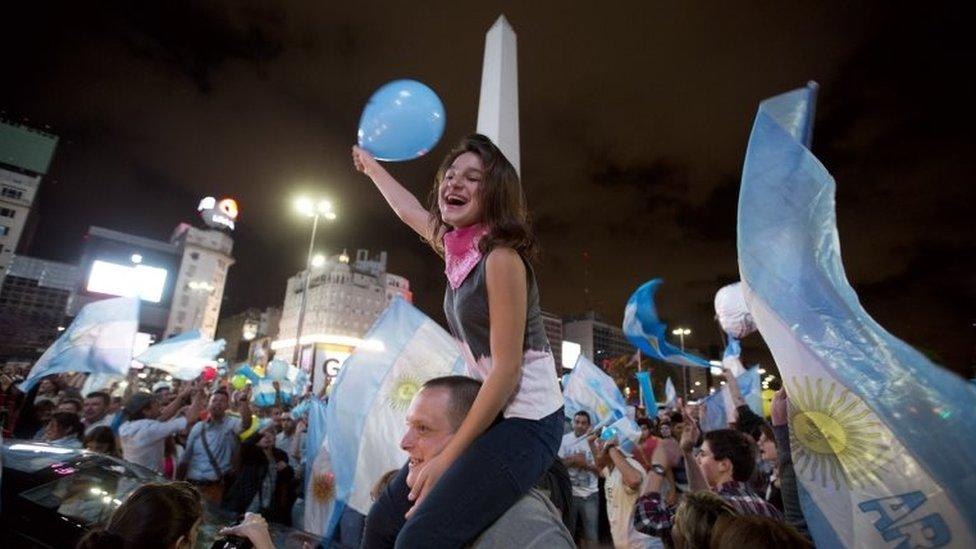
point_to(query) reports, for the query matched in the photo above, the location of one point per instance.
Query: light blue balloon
(404, 119)
(277, 370)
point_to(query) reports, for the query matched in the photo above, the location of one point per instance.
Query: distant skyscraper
(25, 154)
(33, 295)
(554, 331)
(598, 339)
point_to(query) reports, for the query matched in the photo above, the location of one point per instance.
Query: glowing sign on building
(219, 215)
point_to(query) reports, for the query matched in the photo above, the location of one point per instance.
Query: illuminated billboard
(141, 281)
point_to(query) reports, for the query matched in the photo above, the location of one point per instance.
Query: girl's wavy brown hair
(503, 206)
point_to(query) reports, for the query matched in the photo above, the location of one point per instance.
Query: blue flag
(647, 392)
(98, 341)
(882, 438)
(367, 409)
(646, 332)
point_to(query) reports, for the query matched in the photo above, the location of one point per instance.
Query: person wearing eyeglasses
(723, 464)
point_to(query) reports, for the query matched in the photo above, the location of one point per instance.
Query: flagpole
(640, 388)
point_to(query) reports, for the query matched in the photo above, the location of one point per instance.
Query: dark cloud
(635, 118)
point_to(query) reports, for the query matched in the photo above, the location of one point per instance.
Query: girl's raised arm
(403, 202)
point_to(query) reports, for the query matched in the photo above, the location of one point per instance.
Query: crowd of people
(492, 460)
(674, 487)
(208, 436)
(680, 487)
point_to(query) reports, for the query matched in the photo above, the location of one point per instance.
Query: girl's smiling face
(459, 194)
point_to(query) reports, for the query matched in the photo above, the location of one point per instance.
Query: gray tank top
(466, 308)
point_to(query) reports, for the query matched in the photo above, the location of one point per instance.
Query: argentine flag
(645, 330)
(719, 405)
(590, 389)
(98, 341)
(882, 439)
(670, 395)
(183, 356)
(367, 410)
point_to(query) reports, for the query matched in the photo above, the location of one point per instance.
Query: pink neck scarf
(461, 253)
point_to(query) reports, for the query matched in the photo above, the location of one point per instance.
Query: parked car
(52, 495)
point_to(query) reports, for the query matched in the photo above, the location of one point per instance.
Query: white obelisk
(498, 116)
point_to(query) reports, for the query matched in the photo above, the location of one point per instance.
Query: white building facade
(345, 297)
(205, 258)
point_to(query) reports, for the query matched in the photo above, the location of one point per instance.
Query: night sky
(635, 118)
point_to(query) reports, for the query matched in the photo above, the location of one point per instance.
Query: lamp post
(308, 208)
(681, 333)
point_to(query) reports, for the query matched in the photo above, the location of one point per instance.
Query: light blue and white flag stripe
(366, 414)
(98, 341)
(718, 404)
(645, 330)
(882, 438)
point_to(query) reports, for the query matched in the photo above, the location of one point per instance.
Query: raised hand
(365, 162)
(689, 434)
(779, 410)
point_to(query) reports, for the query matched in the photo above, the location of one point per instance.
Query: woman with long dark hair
(155, 515)
(478, 221)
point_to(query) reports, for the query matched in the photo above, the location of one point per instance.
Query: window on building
(4, 230)
(11, 192)
(7, 212)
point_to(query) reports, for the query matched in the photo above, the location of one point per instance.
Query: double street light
(314, 210)
(681, 333)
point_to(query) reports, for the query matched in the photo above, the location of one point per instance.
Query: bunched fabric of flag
(591, 390)
(882, 438)
(718, 405)
(98, 341)
(183, 356)
(645, 330)
(366, 414)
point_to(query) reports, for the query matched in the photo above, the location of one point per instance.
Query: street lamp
(315, 210)
(681, 333)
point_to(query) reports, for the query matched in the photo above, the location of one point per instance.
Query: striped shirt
(653, 517)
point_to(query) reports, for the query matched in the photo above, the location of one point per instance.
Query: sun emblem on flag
(402, 391)
(834, 436)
